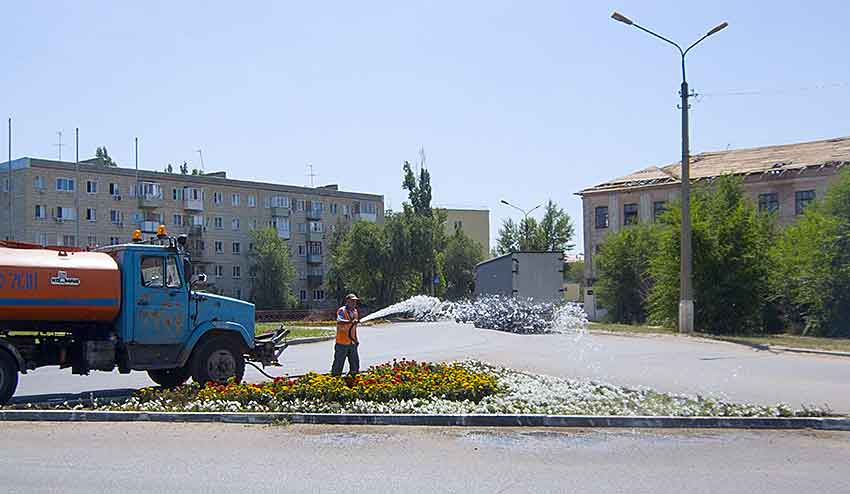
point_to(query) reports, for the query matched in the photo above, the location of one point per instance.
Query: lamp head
(505, 202)
(621, 18)
(719, 27)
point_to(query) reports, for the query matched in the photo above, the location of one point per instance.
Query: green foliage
(184, 168)
(812, 276)
(419, 192)
(553, 233)
(274, 273)
(335, 278)
(370, 261)
(102, 155)
(169, 168)
(731, 240)
(461, 255)
(624, 278)
(574, 272)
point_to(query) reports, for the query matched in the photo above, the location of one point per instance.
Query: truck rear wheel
(169, 378)
(217, 360)
(8, 376)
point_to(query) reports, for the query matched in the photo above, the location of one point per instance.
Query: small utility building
(537, 275)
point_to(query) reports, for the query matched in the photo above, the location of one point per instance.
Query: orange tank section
(53, 285)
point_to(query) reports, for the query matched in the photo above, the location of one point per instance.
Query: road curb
(574, 421)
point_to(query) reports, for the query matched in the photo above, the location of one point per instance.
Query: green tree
(169, 168)
(271, 265)
(623, 268)
(335, 277)
(731, 240)
(554, 232)
(427, 236)
(461, 255)
(811, 281)
(102, 155)
(184, 168)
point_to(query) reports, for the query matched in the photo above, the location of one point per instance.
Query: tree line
(749, 274)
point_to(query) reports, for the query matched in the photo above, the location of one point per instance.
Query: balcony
(370, 217)
(149, 201)
(280, 212)
(195, 230)
(314, 259)
(313, 214)
(284, 234)
(314, 236)
(193, 204)
(315, 280)
(148, 226)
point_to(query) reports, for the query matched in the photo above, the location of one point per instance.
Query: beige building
(216, 213)
(783, 179)
(475, 223)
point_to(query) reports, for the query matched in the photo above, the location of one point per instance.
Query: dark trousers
(341, 352)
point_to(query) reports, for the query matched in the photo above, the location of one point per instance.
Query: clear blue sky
(515, 100)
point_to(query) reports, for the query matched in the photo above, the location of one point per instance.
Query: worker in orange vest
(347, 318)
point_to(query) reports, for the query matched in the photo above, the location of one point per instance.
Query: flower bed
(457, 388)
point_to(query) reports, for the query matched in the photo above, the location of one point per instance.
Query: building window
(42, 239)
(602, 217)
(63, 214)
(300, 205)
(658, 208)
(91, 241)
(218, 223)
(302, 250)
(219, 271)
(91, 187)
(236, 247)
(65, 185)
(115, 216)
(630, 214)
(317, 227)
(333, 208)
(234, 199)
(91, 214)
(114, 189)
(253, 224)
(68, 241)
(303, 295)
(802, 199)
(318, 295)
(38, 182)
(114, 240)
(302, 227)
(314, 248)
(177, 220)
(218, 198)
(40, 212)
(237, 292)
(234, 224)
(237, 271)
(769, 202)
(219, 247)
(252, 201)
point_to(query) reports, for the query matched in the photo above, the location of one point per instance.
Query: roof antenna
(59, 145)
(201, 155)
(421, 159)
(311, 174)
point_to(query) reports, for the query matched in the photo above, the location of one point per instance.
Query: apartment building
(217, 214)
(474, 223)
(781, 179)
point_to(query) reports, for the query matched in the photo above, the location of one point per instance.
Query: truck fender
(206, 327)
(5, 345)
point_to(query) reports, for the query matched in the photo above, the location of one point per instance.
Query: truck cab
(162, 325)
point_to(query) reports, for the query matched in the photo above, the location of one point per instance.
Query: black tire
(217, 359)
(170, 378)
(8, 376)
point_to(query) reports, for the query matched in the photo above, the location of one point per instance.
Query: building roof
(773, 160)
(209, 179)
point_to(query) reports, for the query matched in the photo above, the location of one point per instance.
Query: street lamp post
(686, 295)
(525, 215)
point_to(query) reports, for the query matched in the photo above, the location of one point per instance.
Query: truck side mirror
(200, 278)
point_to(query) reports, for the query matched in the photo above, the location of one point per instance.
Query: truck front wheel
(218, 359)
(8, 376)
(169, 378)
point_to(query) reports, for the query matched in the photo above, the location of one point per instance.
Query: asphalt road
(666, 363)
(219, 458)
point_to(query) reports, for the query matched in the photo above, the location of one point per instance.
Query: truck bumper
(268, 347)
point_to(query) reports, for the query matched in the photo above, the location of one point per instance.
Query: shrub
(624, 278)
